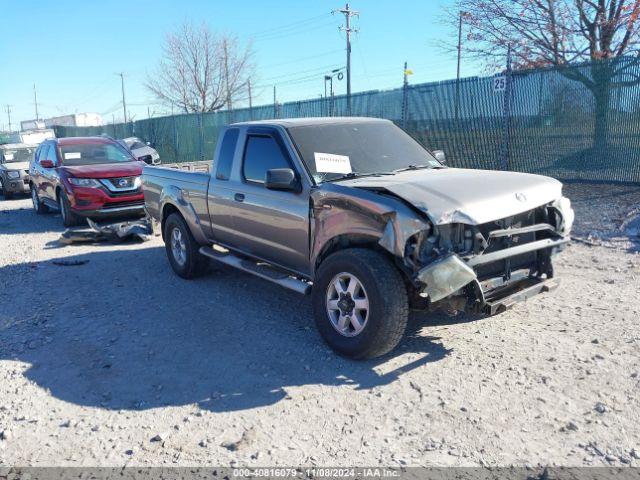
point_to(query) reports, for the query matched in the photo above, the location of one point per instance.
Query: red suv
(86, 177)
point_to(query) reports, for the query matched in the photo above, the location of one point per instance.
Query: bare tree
(561, 33)
(201, 71)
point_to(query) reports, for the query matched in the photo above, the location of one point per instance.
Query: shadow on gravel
(121, 331)
(20, 220)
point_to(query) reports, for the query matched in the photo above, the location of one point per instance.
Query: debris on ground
(141, 229)
(248, 436)
(69, 263)
(600, 407)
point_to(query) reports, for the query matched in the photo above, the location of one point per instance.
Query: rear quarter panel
(186, 191)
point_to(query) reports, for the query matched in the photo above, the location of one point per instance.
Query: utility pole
(35, 101)
(275, 103)
(331, 104)
(250, 99)
(226, 73)
(459, 57)
(326, 77)
(405, 88)
(124, 102)
(8, 108)
(348, 13)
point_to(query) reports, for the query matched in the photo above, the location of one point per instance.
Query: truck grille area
(513, 231)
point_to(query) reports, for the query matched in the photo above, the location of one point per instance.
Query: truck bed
(190, 180)
(201, 166)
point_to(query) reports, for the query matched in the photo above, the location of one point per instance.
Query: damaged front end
(451, 262)
(487, 268)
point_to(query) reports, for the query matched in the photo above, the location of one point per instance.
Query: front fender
(340, 211)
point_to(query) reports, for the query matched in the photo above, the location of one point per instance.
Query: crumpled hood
(141, 152)
(15, 166)
(454, 195)
(106, 170)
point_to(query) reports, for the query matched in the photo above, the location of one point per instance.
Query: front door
(272, 225)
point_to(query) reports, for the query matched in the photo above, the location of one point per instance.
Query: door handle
(239, 197)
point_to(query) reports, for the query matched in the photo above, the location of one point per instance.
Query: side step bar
(261, 270)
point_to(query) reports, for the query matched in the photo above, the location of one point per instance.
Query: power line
(288, 26)
(302, 30)
(112, 109)
(96, 92)
(298, 60)
(297, 80)
(316, 69)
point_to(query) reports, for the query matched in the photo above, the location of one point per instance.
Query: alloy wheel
(347, 304)
(178, 247)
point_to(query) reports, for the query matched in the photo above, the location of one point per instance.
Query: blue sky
(72, 49)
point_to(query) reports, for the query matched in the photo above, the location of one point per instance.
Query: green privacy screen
(539, 121)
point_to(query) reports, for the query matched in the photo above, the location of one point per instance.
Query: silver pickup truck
(360, 216)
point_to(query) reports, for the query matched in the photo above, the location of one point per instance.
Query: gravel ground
(119, 362)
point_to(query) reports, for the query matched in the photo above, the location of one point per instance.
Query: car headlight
(13, 174)
(83, 182)
(563, 205)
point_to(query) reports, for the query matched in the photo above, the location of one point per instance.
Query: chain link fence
(550, 121)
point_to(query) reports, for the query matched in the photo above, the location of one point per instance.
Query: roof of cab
(83, 140)
(309, 121)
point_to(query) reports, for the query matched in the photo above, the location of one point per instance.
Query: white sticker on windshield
(8, 156)
(332, 163)
(72, 156)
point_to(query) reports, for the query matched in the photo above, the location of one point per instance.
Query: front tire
(5, 194)
(182, 249)
(360, 303)
(69, 219)
(38, 206)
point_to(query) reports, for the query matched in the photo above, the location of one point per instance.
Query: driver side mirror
(46, 163)
(283, 179)
(440, 156)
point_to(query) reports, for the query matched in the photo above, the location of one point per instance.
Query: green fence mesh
(538, 121)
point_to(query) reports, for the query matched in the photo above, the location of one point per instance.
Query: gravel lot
(118, 361)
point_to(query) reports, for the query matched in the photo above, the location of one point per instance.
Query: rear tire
(5, 194)
(39, 207)
(182, 249)
(69, 219)
(375, 306)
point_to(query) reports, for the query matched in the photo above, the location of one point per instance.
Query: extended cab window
(262, 153)
(227, 149)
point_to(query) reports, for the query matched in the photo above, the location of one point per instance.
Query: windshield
(15, 155)
(93, 153)
(333, 150)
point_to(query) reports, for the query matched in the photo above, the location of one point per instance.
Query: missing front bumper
(452, 280)
(502, 299)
